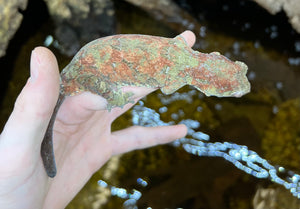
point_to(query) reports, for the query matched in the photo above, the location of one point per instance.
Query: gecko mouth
(238, 94)
(242, 91)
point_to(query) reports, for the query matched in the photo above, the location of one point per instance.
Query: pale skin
(83, 141)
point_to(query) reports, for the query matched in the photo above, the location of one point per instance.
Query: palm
(89, 130)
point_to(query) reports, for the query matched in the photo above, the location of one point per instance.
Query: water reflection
(197, 143)
(243, 158)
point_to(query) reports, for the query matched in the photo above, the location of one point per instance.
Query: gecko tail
(47, 151)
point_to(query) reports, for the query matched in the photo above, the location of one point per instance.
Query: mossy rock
(281, 141)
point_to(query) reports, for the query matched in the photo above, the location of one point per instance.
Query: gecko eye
(216, 53)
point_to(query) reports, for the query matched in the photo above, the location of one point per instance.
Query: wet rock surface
(274, 198)
(78, 22)
(175, 17)
(291, 8)
(10, 20)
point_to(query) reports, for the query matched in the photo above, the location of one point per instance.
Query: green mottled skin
(105, 65)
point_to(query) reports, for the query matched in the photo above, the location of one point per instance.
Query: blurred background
(263, 33)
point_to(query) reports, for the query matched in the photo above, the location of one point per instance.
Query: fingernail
(34, 66)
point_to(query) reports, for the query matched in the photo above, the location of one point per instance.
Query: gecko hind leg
(119, 99)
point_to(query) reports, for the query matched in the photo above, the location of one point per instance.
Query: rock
(80, 21)
(281, 140)
(169, 13)
(290, 7)
(10, 20)
(274, 198)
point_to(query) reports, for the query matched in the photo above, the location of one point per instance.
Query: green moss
(281, 141)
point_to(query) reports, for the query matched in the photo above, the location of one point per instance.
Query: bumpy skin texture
(105, 65)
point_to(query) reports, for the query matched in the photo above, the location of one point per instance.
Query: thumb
(26, 125)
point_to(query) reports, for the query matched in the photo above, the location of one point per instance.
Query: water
(266, 120)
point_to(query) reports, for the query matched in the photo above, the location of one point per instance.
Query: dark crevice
(34, 16)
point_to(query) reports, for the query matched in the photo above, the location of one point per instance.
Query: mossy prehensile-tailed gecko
(106, 65)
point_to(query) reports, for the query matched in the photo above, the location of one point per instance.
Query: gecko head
(221, 77)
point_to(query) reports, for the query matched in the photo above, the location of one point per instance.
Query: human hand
(82, 138)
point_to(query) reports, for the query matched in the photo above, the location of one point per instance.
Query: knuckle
(36, 109)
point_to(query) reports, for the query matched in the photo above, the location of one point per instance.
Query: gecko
(106, 65)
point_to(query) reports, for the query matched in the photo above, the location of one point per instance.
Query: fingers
(138, 137)
(33, 107)
(189, 36)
